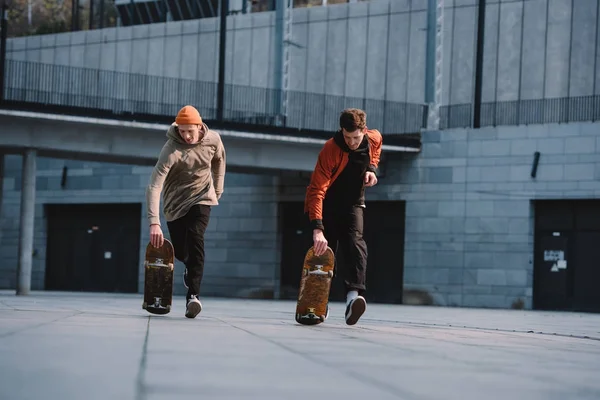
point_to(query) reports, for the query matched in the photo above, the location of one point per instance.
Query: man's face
(189, 133)
(353, 139)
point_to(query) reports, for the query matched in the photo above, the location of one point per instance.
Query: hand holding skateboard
(319, 242)
(156, 236)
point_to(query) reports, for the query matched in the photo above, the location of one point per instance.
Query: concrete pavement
(104, 346)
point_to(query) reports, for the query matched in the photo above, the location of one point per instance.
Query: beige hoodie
(186, 174)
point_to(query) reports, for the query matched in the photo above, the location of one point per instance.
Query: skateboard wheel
(169, 306)
(305, 272)
(170, 266)
(322, 318)
(330, 274)
(144, 305)
(146, 264)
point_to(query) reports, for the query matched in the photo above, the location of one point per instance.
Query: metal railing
(524, 112)
(127, 94)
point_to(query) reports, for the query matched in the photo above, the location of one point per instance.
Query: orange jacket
(331, 162)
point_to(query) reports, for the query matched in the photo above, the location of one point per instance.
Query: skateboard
(158, 278)
(315, 283)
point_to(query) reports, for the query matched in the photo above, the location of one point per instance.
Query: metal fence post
(479, 65)
(3, 36)
(222, 43)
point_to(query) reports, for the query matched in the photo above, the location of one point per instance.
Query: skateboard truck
(311, 316)
(157, 307)
(159, 263)
(319, 271)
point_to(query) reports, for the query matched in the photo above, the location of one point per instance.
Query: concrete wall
(372, 49)
(533, 49)
(469, 218)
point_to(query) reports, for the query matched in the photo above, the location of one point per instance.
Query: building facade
(470, 226)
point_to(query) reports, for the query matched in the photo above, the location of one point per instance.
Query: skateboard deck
(315, 284)
(158, 278)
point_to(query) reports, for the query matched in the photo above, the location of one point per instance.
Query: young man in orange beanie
(335, 200)
(190, 173)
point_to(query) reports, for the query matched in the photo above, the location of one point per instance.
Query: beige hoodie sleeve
(218, 168)
(157, 179)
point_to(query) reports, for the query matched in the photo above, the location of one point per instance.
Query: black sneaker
(355, 309)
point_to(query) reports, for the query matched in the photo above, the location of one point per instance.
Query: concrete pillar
(27, 221)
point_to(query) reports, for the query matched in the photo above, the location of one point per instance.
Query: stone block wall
(470, 212)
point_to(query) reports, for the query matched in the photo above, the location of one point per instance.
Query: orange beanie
(188, 115)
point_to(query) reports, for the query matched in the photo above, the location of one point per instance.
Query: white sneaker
(193, 307)
(355, 309)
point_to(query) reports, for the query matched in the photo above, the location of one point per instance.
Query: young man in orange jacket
(335, 202)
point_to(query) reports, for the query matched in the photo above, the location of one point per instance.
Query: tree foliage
(37, 17)
(33, 17)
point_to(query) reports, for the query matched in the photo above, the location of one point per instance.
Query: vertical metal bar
(101, 17)
(222, 39)
(497, 106)
(434, 106)
(3, 35)
(407, 76)
(365, 64)
(519, 93)
(212, 9)
(597, 44)
(282, 56)
(73, 14)
(430, 53)
(91, 23)
(542, 103)
(287, 37)
(130, 13)
(190, 10)
(198, 7)
(387, 66)
(569, 99)
(479, 65)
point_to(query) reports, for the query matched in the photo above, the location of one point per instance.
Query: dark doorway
(384, 234)
(566, 272)
(296, 239)
(93, 247)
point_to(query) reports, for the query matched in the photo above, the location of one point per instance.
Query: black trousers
(187, 235)
(344, 234)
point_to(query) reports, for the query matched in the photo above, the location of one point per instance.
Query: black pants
(187, 235)
(344, 234)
